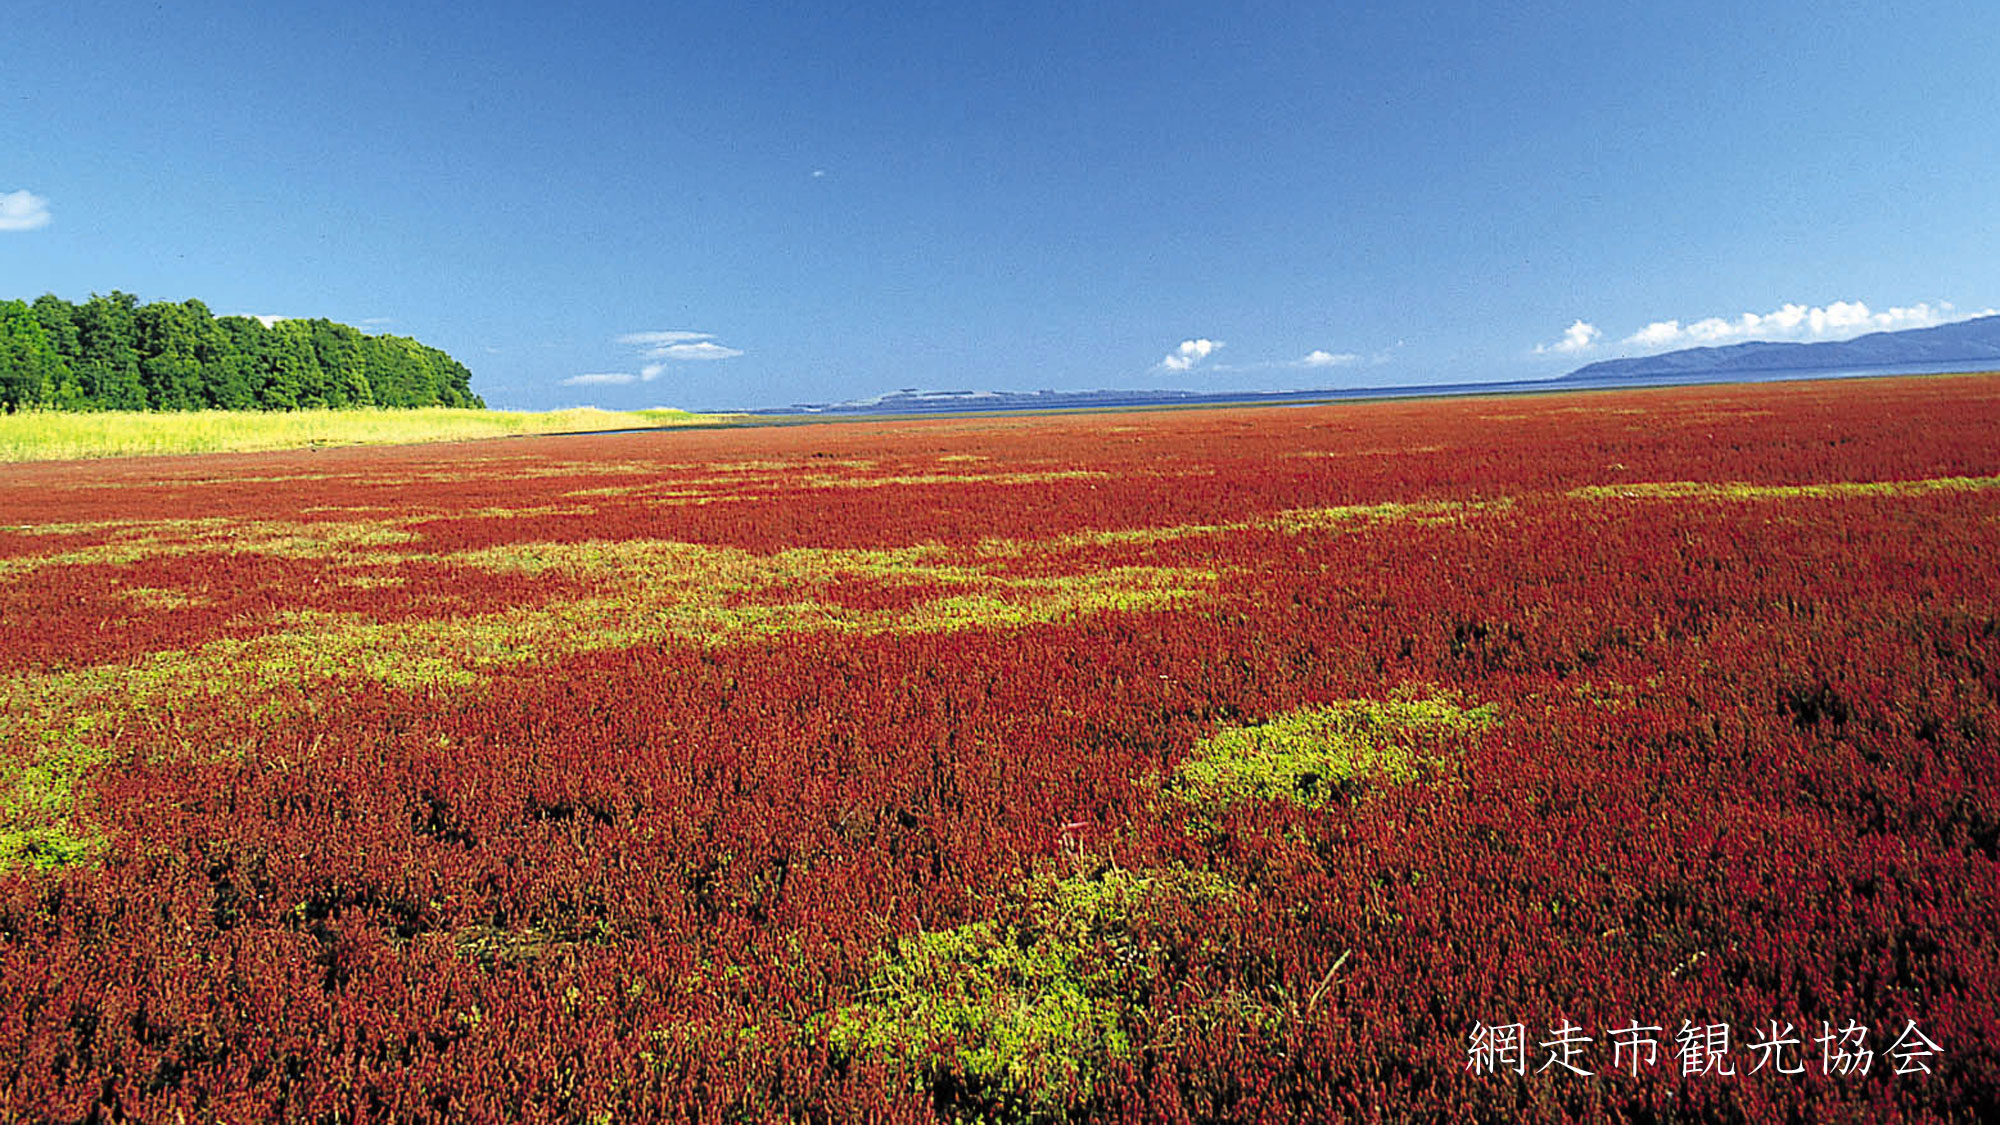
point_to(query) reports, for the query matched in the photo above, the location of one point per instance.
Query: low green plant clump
(37, 783)
(1317, 755)
(1017, 1017)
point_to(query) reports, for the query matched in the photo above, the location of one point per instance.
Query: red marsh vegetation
(1394, 761)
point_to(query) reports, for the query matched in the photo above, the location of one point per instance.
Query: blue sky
(721, 205)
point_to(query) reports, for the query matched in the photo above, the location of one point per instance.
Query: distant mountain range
(913, 401)
(1975, 342)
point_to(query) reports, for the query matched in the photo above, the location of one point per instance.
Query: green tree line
(113, 353)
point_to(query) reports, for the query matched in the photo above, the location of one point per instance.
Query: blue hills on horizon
(1960, 346)
(1965, 341)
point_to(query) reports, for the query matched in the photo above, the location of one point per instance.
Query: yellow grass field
(58, 436)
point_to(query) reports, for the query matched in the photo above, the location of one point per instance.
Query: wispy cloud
(1578, 337)
(656, 352)
(1840, 320)
(695, 350)
(1189, 354)
(23, 210)
(658, 339)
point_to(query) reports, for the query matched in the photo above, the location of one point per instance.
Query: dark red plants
(1741, 765)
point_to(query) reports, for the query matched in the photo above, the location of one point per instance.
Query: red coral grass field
(1624, 756)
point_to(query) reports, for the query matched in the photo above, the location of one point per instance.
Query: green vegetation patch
(754, 478)
(1736, 490)
(132, 541)
(1021, 1014)
(1318, 755)
(1292, 521)
(37, 783)
(653, 590)
(160, 600)
(1297, 521)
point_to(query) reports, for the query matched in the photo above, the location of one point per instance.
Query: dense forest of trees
(113, 353)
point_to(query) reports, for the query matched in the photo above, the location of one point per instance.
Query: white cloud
(656, 351)
(703, 349)
(1578, 337)
(1319, 357)
(23, 210)
(268, 319)
(1190, 353)
(678, 346)
(1659, 334)
(1840, 320)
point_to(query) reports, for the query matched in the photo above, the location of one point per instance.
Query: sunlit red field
(1182, 766)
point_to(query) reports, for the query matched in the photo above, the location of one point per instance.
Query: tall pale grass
(53, 436)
